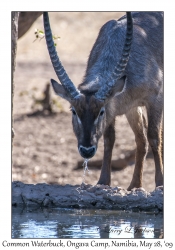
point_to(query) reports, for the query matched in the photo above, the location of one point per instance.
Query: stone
(86, 196)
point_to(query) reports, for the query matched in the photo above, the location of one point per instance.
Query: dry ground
(45, 148)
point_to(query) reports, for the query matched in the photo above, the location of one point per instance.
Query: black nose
(87, 152)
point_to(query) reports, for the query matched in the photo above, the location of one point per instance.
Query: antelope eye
(73, 111)
(101, 112)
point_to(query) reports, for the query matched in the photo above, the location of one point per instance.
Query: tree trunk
(15, 16)
(21, 22)
(26, 19)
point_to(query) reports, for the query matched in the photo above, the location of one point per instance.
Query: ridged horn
(104, 91)
(58, 67)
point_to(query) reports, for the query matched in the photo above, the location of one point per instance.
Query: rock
(86, 196)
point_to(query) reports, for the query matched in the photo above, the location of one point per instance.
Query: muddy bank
(86, 196)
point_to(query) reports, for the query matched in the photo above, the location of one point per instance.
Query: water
(85, 169)
(84, 223)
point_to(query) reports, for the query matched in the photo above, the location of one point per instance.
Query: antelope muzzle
(87, 153)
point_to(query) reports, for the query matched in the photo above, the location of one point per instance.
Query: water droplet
(85, 168)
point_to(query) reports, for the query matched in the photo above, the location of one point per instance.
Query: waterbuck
(124, 73)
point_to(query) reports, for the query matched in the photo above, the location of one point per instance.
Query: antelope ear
(59, 90)
(119, 87)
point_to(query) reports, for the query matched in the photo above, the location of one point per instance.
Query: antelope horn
(104, 91)
(58, 67)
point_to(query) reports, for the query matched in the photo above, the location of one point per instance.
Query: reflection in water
(83, 223)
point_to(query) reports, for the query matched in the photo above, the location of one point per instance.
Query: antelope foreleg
(109, 139)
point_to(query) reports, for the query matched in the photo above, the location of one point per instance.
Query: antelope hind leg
(138, 124)
(155, 134)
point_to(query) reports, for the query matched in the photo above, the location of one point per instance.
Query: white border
(5, 93)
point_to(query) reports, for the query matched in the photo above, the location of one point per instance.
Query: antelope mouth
(87, 153)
